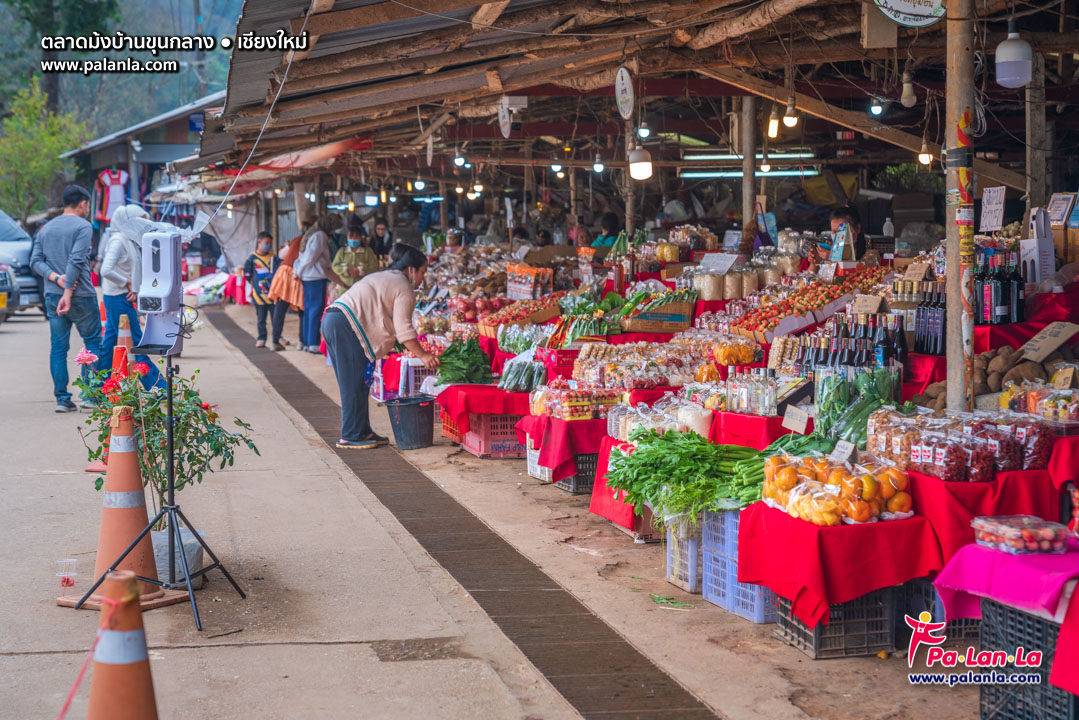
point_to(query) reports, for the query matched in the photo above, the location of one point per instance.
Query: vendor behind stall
(840, 215)
(610, 226)
(362, 326)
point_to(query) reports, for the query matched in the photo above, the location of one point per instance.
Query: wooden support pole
(443, 209)
(529, 190)
(749, 156)
(574, 211)
(1036, 135)
(630, 190)
(959, 174)
(275, 223)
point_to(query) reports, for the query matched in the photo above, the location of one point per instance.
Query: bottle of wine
(941, 326)
(999, 294)
(920, 317)
(1017, 293)
(899, 342)
(882, 349)
(977, 300)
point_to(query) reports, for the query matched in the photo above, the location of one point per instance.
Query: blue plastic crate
(684, 562)
(714, 576)
(719, 532)
(755, 603)
(730, 533)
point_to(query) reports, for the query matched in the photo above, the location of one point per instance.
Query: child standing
(259, 271)
(356, 259)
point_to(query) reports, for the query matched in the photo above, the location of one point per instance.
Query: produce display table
(1064, 461)
(559, 441)
(950, 506)
(815, 567)
(1034, 583)
(604, 501)
(635, 337)
(752, 431)
(457, 401)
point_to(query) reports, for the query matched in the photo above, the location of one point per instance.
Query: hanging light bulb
(229, 214)
(278, 191)
(560, 175)
(598, 165)
(393, 198)
(419, 184)
(640, 164)
(555, 167)
(458, 189)
(1015, 60)
(458, 158)
(644, 131)
(370, 200)
(876, 107)
(228, 206)
(468, 166)
(351, 205)
(773, 124)
(478, 187)
(471, 195)
(790, 117)
(925, 157)
(408, 185)
(908, 99)
(382, 194)
(765, 165)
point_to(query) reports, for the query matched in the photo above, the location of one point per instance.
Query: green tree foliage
(31, 140)
(63, 17)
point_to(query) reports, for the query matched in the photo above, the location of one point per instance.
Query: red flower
(111, 385)
(142, 368)
(205, 406)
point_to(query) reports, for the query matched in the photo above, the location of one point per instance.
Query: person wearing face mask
(362, 326)
(258, 272)
(356, 259)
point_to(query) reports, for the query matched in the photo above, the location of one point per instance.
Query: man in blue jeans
(62, 257)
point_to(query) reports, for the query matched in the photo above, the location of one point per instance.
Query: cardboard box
(1036, 258)
(673, 270)
(671, 318)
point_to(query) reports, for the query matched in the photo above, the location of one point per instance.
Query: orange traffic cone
(120, 360)
(121, 687)
(101, 308)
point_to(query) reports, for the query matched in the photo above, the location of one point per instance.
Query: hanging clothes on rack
(112, 189)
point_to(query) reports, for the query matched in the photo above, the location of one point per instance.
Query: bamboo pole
(749, 156)
(630, 189)
(959, 174)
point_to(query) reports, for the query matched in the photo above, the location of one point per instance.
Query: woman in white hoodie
(121, 275)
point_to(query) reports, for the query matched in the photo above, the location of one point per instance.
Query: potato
(1004, 361)
(936, 389)
(981, 364)
(1053, 356)
(995, 381)
(940, 401)
(981, 389)
(922, 399)
(1025, 371)
(980, 376)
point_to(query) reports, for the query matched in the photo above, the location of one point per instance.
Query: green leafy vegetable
(464, 363)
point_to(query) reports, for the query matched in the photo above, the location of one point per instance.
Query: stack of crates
(719, 550)
(684, 554)
(585, 479)
(863, 626)
(492, 436)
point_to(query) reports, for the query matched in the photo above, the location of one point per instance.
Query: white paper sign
(722, 262)
(992, 209)
(912, 13)
(843, 450)
(827, 271)
(623, 93)
(796, 419)
(505, 123)
(731, 239)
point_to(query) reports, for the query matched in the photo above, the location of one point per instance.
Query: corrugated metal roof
(200, 104)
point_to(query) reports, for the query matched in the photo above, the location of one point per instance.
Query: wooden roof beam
(376, 14)
(755, 19)
(858, 121)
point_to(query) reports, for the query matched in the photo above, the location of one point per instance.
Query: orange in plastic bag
(901, 502)
(857, 510)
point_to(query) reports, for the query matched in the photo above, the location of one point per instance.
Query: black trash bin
(413, 421)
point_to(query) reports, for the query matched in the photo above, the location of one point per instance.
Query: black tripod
(172, 511)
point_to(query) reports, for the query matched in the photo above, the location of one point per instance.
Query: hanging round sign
(430, 149)
(623, 92)
(912, 13)
(505, 122)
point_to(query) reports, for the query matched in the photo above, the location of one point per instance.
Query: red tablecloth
(816, 567)
(1064, 462)
(558, 441)
(236, 289)
(489, 345)
(457, 401)
(650, 397)
(1050, 307)
(921, 372)
(950, 506)
(391, 371)
(991, 337)
(704, 306)
(748, 430)
(604, 502)
(499, 361)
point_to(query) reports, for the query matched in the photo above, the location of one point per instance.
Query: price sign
(623, 93)
(916, 272)
(795, 419)
(721, 262)
(992, 209)
(839, 242)
(1060, 204)
(770, 225)
(1049, 339)
(731, 239)
(868, 304)
(843, 451)
(1064, 379)
(505, 122)
(827, 271)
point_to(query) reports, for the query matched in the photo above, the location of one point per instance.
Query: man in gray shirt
(62, 257)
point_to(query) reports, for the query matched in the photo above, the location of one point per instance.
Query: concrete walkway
(346, 616)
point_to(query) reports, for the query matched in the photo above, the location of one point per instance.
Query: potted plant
(201, 442)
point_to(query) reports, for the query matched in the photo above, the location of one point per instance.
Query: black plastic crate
(1006, 628)
(864, 626)
(919, 595)
(585, 478)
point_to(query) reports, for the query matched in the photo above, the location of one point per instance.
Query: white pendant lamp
(1015, 60)
(640, 164)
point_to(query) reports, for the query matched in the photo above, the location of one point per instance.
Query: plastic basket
(534, 468)
(714, 576)
(379, 391)
(684, 562)
(1006, 628)
(864, 626)
(755, 603)
(918, 596)
(493, 436)
(585, 479)
(413, 373)
(450, 430)
(438, 413)
(719, 532)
